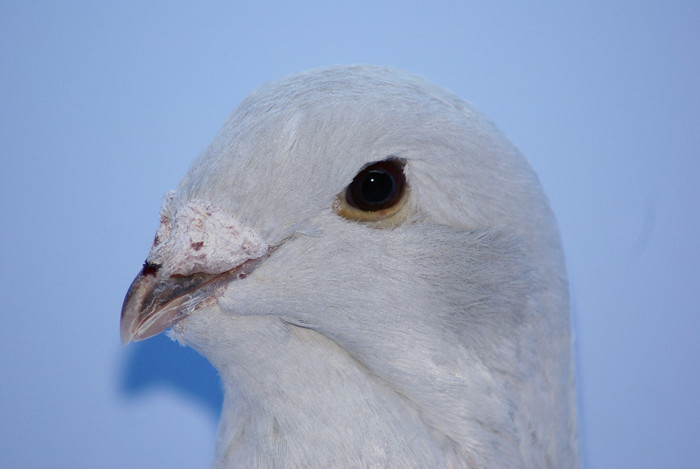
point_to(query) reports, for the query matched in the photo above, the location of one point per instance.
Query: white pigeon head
(376, 275)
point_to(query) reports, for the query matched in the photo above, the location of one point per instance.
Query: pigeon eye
(377, 194)
(377, 187)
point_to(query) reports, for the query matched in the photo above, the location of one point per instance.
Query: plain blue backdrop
(103, 106)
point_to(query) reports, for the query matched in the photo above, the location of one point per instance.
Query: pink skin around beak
(198, 250)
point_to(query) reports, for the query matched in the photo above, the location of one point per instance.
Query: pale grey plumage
(440, 342)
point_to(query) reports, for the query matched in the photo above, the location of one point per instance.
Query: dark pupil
(377, 187)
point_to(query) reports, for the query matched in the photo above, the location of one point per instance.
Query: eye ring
(377, 195)
(377, 187)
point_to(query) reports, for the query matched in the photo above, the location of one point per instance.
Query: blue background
(104, 106)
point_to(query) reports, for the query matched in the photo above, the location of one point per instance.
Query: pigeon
(376, 275)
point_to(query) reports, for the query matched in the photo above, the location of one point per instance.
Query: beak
(153, 303)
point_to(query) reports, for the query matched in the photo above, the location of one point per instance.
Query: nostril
(150, 269)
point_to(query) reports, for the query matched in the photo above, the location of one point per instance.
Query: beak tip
(125, 339)
(125, 334)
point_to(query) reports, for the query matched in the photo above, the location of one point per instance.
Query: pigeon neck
(294, 398)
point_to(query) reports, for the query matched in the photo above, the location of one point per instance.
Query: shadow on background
(160, 362)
